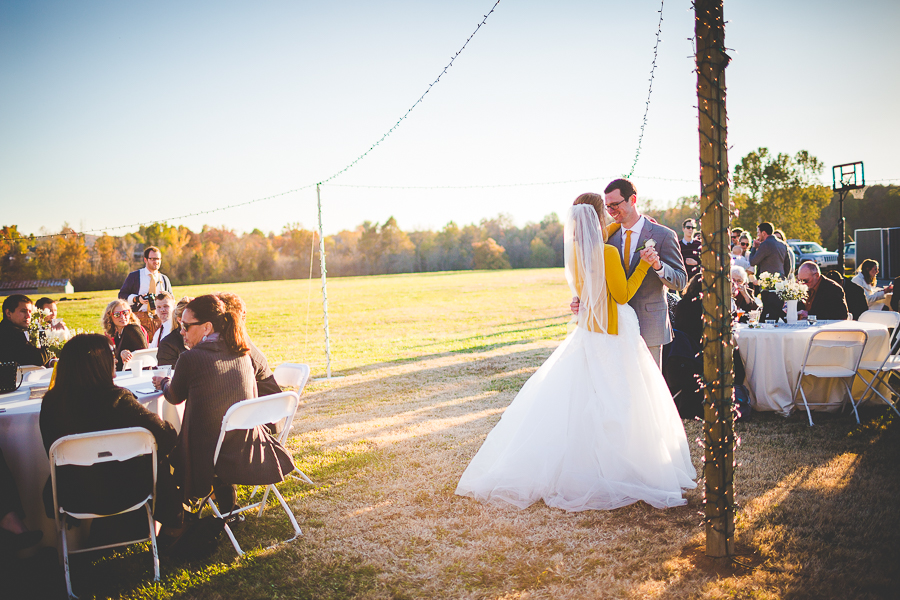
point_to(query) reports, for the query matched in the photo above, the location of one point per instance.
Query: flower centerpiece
(791, 291)
(42, 335)
(768, 280)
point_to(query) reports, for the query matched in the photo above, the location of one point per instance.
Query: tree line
(779, 188)
(220, 255)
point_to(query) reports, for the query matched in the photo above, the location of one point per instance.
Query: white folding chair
(247, 415)
(888, 318)
(147, 356)
(882, 372)
(292, 374)
(88, 449)
(891, 320)
(831, 354)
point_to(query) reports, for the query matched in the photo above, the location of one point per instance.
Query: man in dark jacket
(853, 294)
(826, 298)
(14, 346)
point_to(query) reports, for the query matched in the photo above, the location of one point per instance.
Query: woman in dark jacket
(124, 331)
(85, 399)
(171, 346)
(212, 375)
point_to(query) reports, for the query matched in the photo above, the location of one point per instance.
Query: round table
(773, 358)
(23, 447)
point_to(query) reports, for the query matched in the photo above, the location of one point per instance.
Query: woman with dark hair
(689, 310)
(124, 331)
(171, 346)
(85, 399)
(212, 375)
(866, 279)
(265, 379)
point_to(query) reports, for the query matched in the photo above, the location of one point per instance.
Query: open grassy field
(429, 363)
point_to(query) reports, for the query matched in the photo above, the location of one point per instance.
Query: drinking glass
(136, 366)
(811, 319)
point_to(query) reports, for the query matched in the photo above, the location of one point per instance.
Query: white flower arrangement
(791, 289)
(42, 335)
(768, 280)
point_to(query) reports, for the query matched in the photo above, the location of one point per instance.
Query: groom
(667, 270)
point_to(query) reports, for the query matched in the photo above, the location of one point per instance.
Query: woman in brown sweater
(212, 375)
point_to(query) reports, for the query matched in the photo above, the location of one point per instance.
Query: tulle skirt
(595, 428)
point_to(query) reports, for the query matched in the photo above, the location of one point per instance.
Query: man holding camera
(141, 288)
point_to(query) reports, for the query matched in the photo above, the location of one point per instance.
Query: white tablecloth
(773, 357)
(23, 448)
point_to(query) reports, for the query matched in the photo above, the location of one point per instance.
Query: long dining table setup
(773, 355)
(23, 448)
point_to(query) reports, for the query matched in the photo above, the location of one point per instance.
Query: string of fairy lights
(353, 163)
(217, 209)
(637, 153)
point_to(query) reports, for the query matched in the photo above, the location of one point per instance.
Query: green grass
(430, 362)
(380, 319)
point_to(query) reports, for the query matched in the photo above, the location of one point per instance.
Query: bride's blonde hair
(595, 200)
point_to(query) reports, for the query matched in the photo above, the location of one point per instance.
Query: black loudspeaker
(882, 245)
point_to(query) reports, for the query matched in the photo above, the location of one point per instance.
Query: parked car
(804, 251)
(850, 255)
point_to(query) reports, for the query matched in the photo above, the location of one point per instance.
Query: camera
(151, 302)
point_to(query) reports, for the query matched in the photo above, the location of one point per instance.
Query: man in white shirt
(165, 302)
(146, 280)
(142, 282)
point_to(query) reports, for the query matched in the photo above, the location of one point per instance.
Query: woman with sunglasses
(214, 373)
(124, 331)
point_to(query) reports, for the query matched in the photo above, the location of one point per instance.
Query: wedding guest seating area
(386, 445)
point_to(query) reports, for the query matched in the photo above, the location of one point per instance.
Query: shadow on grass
(471, 349)
(826, 526)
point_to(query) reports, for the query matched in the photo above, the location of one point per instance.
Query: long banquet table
(773, 357)
(23, 448)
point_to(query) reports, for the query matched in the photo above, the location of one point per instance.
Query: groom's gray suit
(649, 302)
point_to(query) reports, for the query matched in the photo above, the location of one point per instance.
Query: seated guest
(171, 346)
(55, 323)
(743, 299)
(124, 330)
(165, 302)
(895, 299)
(866, 279)
(85, 399)
(689, 311)
(826, 298)
(14, 536)
(853, 294)
(214, 373)
(265, 379)
(14, 346)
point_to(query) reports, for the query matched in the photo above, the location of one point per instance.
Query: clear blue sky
(119, 112)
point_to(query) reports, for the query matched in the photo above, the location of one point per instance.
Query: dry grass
(387, 444)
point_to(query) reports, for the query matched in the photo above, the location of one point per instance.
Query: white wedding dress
(595, 428)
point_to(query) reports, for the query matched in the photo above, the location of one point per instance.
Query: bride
(595, 427)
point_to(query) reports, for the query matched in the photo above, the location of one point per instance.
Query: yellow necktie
(152, 288)
(626, 256)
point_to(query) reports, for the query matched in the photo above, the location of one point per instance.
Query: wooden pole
(718, 376)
